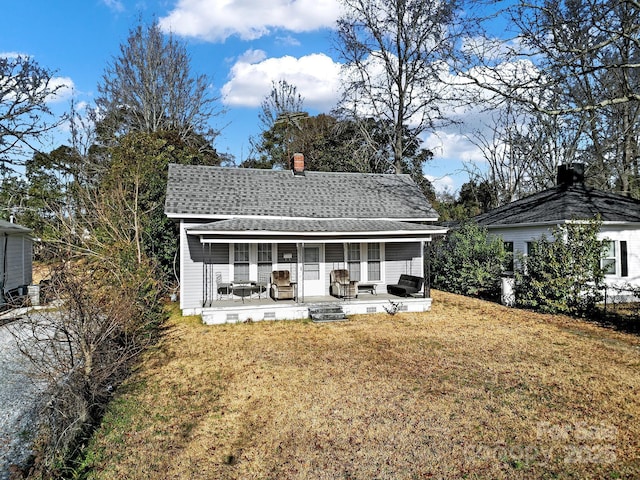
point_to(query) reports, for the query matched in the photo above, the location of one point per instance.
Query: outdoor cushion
(281, 288)
(340, 285)
(407, 285)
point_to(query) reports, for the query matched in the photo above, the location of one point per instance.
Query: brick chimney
(569, 175)
(298, 164)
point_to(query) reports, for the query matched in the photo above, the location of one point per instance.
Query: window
(615, 252)
(241, 262)
(373, 262)
(265, 260)
(508, 247)
(353, 261)
(251, 262)
(365, 261)
(529, 248)
(608, 262)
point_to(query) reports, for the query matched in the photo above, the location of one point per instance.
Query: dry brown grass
(467, 390)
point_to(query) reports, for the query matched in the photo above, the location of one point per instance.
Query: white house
(520, 222)
(16, 247)
(267, 244)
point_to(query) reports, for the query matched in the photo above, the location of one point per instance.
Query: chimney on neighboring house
(569, 175)
(298, 164)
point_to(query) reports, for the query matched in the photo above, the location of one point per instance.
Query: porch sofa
(406, 286)
(341, 286)
(281, 286)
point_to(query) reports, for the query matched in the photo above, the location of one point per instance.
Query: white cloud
(316, 77)
(445, 184)
(64, 92)
(115, 5)
(13, 55)
(453, 146)
(288, 40)
(216, 20)
(252, 56)
(63, 85)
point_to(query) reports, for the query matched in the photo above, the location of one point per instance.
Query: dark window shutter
(624, 267)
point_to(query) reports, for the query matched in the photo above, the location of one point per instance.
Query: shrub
(563, 274)
(469, 262)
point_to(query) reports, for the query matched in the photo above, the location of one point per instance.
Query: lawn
(468, 390)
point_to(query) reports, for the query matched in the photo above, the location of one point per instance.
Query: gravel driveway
(18, 398)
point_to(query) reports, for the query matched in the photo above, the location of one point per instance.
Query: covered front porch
(232, 310)
(270, 270)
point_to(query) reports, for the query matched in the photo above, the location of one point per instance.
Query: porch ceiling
(318, 230)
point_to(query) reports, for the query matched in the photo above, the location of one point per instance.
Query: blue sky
(242, 45)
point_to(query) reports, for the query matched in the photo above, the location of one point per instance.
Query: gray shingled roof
(310, 226)
(195, 190)
(559, 203)
(9, 227)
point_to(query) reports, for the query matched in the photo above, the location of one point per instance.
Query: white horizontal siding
(402, 258)
(193, 255)
(632, 237)
(629, 233)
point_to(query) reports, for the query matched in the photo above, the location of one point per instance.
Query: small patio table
(243, 290)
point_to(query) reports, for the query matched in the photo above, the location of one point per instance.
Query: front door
(313, 271)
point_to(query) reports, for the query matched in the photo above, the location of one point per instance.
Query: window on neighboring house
(608, 262)
(241, 262)
(508, 247)
(374, 261)
(529, 247)
(624, 266)
(353, 261)
(612, 252)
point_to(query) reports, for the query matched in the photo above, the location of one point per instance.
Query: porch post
(426, 252)
(204, 277)
(299, 272)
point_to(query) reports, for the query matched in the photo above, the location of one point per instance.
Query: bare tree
(578, 60)
(25, 88)
(522, 151)
(108, 308)
(149, 87)
(393, 51)
(283, 99)
(281, 116)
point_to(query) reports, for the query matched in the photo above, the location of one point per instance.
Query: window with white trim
(615, 258)
(251, 261)
(265, 261)
(241, 262)
(374, 262)
(365, 261)
(608, 261)
(353, 261)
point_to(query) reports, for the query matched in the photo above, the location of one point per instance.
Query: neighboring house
(16, 247)
(520, 222)
(238, 225)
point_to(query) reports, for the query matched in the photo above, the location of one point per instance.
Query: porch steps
(329, 312)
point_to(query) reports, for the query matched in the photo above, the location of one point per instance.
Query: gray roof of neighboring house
(204, 191)
(560, 203)
(311, 226)
(9, 227)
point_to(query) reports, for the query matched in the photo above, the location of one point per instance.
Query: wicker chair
(281, 287)
(341, 286)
